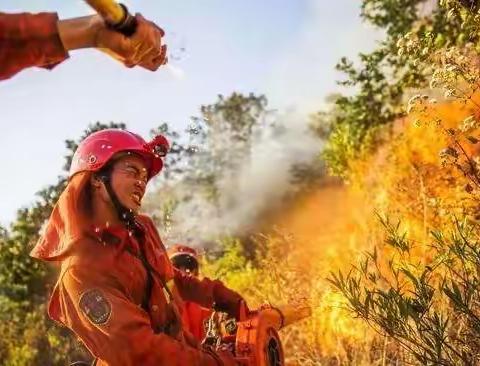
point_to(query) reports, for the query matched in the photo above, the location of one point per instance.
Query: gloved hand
(227, 358)
(222, 356)
(230, 302)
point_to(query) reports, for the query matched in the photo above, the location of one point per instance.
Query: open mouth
(137, 198)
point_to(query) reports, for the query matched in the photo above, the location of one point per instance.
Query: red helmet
(184, 258)
(179, 249)
(99, 147)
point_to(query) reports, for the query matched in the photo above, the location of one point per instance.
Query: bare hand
(143, 48)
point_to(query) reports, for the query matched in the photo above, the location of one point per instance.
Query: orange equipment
(254, 339)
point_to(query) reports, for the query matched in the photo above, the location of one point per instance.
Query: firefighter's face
(129, 179)
(186, 263)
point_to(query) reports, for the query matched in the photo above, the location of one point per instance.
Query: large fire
(329, 229)
(333, 225)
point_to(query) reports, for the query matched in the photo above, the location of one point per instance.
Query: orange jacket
(101, 291)
(28, 40)
(195, 318)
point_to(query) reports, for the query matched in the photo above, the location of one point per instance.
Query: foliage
(385, 76)
(431, 308)
(219, 144)
(420, 288)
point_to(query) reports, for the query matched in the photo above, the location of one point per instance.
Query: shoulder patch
(95, 306)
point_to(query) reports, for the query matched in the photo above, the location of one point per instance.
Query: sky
(285, 49)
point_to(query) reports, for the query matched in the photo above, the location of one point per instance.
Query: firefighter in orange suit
(117, 289)
(194, 316)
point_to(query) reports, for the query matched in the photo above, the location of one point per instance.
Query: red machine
(254, 339)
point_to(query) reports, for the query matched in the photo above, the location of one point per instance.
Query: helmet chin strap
(126, 215)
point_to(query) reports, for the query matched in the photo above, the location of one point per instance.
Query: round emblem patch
(95, 306)
(92, 159)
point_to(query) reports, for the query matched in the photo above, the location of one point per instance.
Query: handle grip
(115, 15)
(128, 25)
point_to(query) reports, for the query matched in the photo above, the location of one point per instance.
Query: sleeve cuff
(51, 45)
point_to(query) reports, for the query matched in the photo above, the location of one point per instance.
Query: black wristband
(128, 25)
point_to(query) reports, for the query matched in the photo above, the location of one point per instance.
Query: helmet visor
(185, 263)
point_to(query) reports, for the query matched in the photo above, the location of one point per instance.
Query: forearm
(207, 292)
(80, 32)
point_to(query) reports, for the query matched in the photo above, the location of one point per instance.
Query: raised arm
(42, 40)
(208, 293)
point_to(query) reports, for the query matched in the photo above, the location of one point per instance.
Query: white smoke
(259, 183)
(176, 71)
